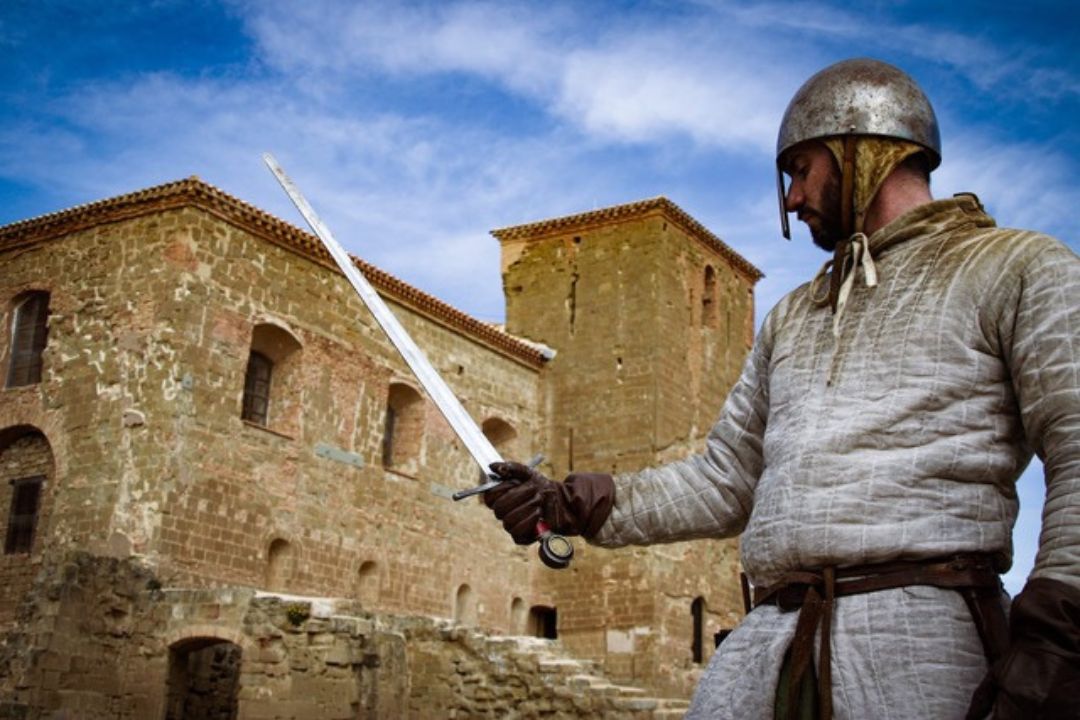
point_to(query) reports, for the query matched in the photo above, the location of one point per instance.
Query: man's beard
(829, 230)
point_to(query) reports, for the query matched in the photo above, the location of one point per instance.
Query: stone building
(220, 484)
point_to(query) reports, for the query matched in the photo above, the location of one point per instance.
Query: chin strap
(835, 280)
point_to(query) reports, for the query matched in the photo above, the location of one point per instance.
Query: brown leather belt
(812, 593)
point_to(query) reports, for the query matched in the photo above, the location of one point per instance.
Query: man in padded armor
(869, 451)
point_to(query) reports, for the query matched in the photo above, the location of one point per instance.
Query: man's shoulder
(1016, 248)
(964, 225)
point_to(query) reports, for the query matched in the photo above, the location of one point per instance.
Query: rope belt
(812, 593)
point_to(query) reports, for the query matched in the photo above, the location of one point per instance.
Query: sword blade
(477, 444)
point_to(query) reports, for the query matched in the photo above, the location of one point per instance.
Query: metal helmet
(860, 96)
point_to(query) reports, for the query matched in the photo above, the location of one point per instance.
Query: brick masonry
(104, 640)
(156, 300)
(648, 348)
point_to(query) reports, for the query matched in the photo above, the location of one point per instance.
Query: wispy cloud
(619, 81)
(418, 170)
(1015, 73)
(412, 194)
(1023, 184)
(414, 127)
(509, 43)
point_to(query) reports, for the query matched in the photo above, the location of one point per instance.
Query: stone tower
(651, 316)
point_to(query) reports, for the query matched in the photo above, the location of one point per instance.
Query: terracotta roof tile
(627, 211)
(194, 192)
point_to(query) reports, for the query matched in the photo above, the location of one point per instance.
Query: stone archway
(204, 679)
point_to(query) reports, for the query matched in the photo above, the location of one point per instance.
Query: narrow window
(29, 334)
(403, 429)
(465, 606)
(279, 565)
(697, 610)
(22, 518)
(257, 389)
(518, 616)
(367, 584)
(388, 436)
(708, 298)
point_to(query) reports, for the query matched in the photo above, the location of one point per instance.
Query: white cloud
(620, 81)
(643, 89)
(1019, 74)
(1023, 185)
(500, 41)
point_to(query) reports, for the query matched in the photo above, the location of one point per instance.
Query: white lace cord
(860, 255)
(821, 280)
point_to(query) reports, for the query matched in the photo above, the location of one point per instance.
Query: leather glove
(577, 506)
(1039, 674)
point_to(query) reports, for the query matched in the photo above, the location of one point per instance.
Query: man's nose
(794, 198)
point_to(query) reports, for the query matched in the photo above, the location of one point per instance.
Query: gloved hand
(577, 506)
(1039, 674)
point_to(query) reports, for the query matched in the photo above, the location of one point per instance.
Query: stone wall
(99, 638)
(652, 322)
(155, 307)
(152, 322)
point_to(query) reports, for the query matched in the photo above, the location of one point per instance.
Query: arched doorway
(204, 679)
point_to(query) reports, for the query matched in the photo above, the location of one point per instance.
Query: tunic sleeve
(1040, 335)
(708, 495)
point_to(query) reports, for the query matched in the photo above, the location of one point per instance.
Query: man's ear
(918, 164)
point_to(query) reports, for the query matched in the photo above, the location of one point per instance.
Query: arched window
(367, 584)
(465, 606)
(272, 380)
(403, 428)
(708, 298)
(502, 435)
(29, 335)
(279, 565)
(26, 466)
(697, 646)
(518, 616)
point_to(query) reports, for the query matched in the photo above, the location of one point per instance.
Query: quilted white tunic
(900, 439)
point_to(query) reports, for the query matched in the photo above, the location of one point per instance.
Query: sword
(555, 550)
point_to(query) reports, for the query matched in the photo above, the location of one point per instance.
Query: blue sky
(414, 128)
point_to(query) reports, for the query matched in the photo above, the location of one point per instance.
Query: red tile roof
(193, 192)
(628, 211)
